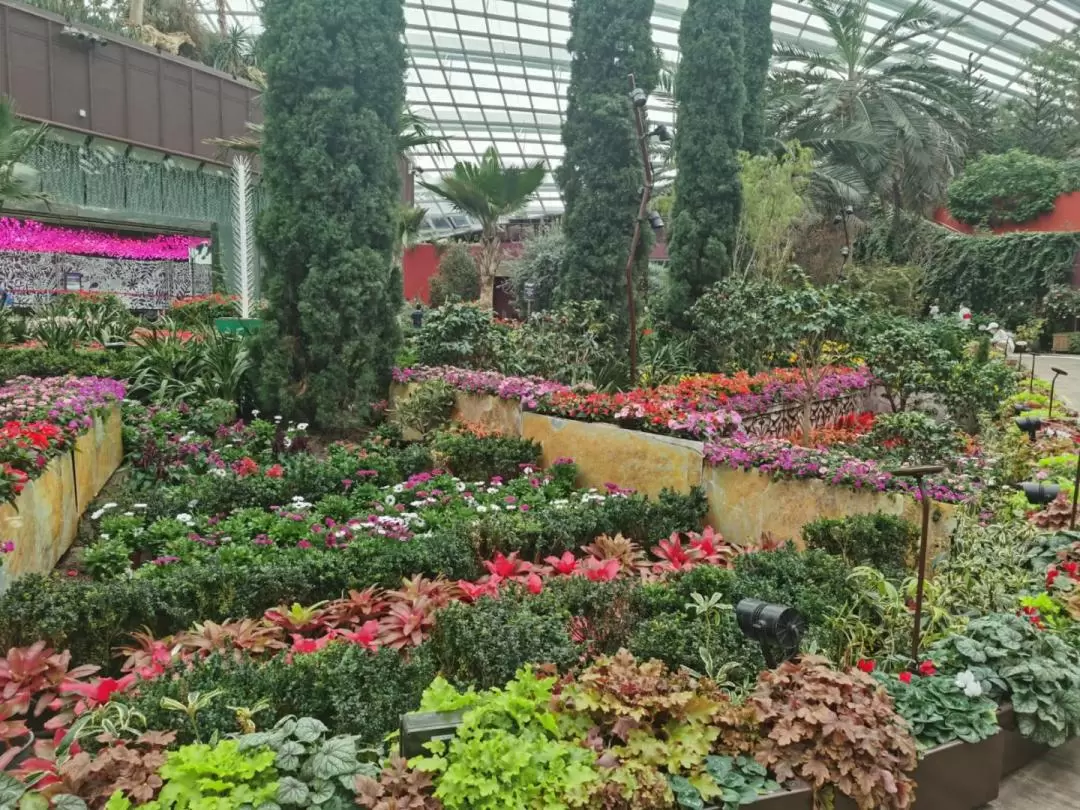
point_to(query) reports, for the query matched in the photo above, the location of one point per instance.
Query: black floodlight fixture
(837, 219)
(850, 210)
(1029, 424)
(662, 133)
(1058, 372)
(639, 97)
(418, 729)
(1039, 493)
(655, 220)
(777, 628)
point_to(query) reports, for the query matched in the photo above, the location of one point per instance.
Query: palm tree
(16, 140)
(488, 192)
(879, 115)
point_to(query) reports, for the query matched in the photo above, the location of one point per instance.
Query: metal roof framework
(495, 72)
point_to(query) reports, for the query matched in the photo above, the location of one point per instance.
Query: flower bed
(782, 459)
(42, 418)
(29, 236)
(699, 407)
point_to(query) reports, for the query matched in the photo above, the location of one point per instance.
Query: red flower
(245, 467)
(566, 564)
(865, 666)
(601, 570)
(366, 636)
(275, 471)
(534, 584)
(905, 677)
(927, 668)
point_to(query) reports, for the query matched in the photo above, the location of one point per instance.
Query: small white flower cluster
(186, 519)
(967, 681)
(97, 514)
(299, 503)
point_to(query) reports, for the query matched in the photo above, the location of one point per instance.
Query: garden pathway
(1053, 782)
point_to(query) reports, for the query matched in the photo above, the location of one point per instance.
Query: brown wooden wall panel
(71, 82)
(108, 93)
(125, 90)
(26, 47)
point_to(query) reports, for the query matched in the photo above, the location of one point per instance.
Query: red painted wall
(1064, 217)
(422, 262)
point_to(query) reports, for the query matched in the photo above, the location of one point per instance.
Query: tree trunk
(136, 15)
(222, 18)
(490, 253)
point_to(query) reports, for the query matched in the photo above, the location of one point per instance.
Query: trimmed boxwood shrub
(352, 690)
(55, 363)
(884, 541)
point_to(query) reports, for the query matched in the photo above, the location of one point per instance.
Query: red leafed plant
(148, 656)
(439, 592)
(397, 788)
(630, 556)
(407, 624)
(834, 730)
(508, 567)
(247, 635)
(297, 618)
(712, 549)
(357, 608)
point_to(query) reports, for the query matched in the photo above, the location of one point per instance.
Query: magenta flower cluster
(783, 460)
(29, 236)
(69, 402)
(527, 389)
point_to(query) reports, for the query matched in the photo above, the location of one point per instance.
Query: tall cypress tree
(757, 54)
(710, 100)
(335, 90)
(601, 175)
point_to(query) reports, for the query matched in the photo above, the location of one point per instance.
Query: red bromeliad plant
(834, 730)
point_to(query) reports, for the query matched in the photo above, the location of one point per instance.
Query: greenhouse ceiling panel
(495, 72)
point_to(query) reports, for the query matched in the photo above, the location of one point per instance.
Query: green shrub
(1011, 187)
(813, 582)
(475, 459)
(459, 335)
(884, 541)
(91, 618)
(54, 363)
(686, 640)
(352, 690)
(484, 644)
(458, 278)
(428, 406)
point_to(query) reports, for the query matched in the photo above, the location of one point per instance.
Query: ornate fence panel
(34, 278)
(785, 420)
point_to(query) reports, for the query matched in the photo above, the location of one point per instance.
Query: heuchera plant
(835, 731)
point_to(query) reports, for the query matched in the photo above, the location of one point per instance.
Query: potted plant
(1031, 672)
(244, 276)
(956, 729)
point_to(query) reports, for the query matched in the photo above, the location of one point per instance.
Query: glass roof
(495, 72)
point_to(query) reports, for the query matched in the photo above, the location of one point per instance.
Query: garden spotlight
(1039, 492)
(656, 221)
(777, 628)
(1019, 347)
(1058, 372)
(662, 133)
(418, 729)
(920, 473)
(637, 95)
(1028, 424)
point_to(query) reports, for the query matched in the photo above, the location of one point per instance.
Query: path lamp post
(1057, 373)
(1031, 384)
(919, 474)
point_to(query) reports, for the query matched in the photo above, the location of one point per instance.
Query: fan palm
(489, 191)
(877, 112)
(16, 140)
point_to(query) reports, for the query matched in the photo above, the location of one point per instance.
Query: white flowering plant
(942, 708)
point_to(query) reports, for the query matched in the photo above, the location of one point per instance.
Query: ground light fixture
(777, 628)
(420, 728)
(919, 474)
(1057, 373)
(1029, 424)
(1019, 347)
(1039, 493)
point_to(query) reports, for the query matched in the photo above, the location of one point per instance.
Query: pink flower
(566, 564)
(366, 636)
(275, 471)
(7, 547)
(534, 584)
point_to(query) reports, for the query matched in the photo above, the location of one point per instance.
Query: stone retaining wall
(44, 518)
(742, 505)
